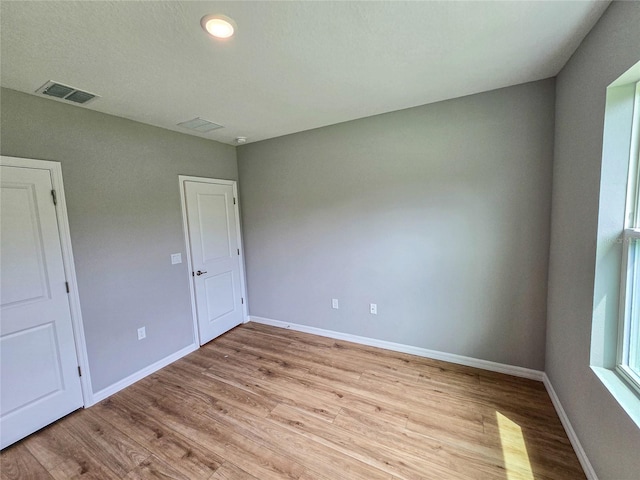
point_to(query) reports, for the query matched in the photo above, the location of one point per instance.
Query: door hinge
(79, 371)
(55, 198)
(67, 285)
(238, 251)
(234, 200)
(242, 300)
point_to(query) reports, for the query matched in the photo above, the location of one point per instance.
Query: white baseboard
(573, 438)
(398, 347)
(458, 359)
(140, 374)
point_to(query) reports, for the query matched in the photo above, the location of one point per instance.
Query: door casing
(185, 228)
(55, 169)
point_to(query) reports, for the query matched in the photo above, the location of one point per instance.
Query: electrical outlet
(334, 303)
(373, 308)
(142, 333)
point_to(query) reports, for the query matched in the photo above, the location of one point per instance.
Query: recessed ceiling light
(219, 26)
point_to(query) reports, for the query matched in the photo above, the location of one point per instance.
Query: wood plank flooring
(266, 403)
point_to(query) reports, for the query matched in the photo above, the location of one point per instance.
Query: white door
(214, 241)
(39, 380)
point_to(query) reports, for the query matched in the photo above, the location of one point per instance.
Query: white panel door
(38, 363)
(215, 257)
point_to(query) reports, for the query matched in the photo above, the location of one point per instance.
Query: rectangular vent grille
(200, 125)
(65, 92)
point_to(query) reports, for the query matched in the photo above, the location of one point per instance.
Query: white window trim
(632, 213)
(613, 219)
(624, 326)
(630, 234)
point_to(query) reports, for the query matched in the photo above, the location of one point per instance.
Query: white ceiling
(292, 66)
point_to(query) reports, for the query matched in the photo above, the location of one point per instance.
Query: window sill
(624, 395)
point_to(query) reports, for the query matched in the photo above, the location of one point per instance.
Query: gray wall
(121, 185)
(610, 438)
(439, 214)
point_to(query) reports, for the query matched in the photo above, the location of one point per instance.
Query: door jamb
(185, 228)
(55, 170)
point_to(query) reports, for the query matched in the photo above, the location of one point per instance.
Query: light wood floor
(266, 403)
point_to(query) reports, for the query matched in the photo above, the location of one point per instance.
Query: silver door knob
(200, 273)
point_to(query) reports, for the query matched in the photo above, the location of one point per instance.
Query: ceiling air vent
(200, 125)
(65, 92)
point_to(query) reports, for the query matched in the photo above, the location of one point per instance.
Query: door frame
(187, 240)
(55, 170)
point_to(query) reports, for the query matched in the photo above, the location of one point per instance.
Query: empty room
(320, 240)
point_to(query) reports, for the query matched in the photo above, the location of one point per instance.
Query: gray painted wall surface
(123, 199)
(609, 437)
(439, 214)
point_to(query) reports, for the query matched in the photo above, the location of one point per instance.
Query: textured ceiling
(292, 66)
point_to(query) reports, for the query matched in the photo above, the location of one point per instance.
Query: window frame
(630, 277)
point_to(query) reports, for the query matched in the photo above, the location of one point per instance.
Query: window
(615, 326)
(628, 361)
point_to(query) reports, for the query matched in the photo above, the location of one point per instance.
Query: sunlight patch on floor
(514, 450)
